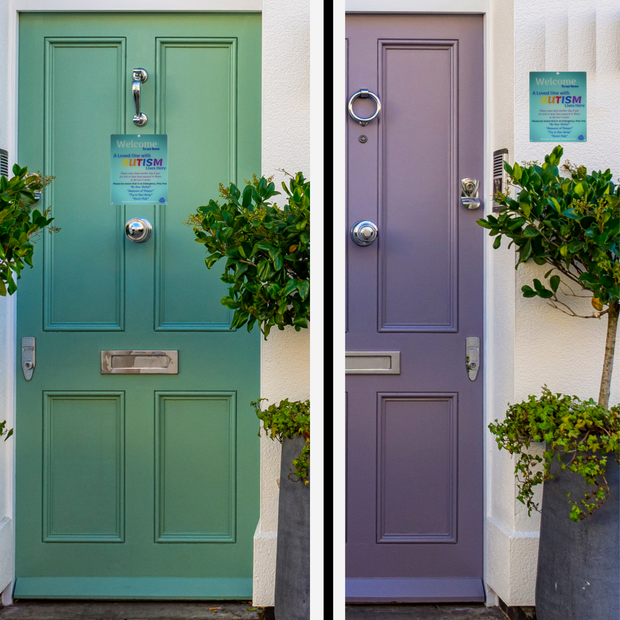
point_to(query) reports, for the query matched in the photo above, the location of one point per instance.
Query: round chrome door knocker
(363, 94)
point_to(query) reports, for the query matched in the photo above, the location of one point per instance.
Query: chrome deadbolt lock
(138, 229)
(364, 233)
(469, 193)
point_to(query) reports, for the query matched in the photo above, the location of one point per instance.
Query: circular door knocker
(363, 94)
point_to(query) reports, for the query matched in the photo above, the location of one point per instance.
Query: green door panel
(135, 486)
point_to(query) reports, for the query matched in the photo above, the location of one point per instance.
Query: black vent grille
(499, 174)
(4, 163)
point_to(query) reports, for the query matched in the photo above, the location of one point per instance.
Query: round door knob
(364, 232)
(138, 229)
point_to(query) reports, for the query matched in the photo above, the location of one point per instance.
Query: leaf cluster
(266, 248)
(20, 224)
(571, 223)
(4, 432)
(585, 432)
(285, 420)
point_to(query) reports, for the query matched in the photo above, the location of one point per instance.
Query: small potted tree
(267, 268)
(570, 223)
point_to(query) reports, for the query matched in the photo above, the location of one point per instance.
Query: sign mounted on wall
(139, 169)
(558, 106)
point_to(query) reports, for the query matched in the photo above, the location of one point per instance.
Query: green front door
(135, 485)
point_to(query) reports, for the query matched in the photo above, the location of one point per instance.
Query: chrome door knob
(364, 232)
(138, 229)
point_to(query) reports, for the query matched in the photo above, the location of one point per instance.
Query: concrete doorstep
(131, 610)
(423, 612)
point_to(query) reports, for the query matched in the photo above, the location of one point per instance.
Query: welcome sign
(139, 169)
(558, 106)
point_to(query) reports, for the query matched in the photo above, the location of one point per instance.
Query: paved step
(423, 612)
(131, 610)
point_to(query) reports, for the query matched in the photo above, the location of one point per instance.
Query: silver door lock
(138, 229)
(472, 357)
(469, 193)
(364, 232)
(28, 357)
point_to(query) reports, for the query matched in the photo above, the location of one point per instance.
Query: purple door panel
(414, 439)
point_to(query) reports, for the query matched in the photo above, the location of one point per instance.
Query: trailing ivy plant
(285, 420)
(266, 248)
(20, 224)
(571, 223)
(586, 432)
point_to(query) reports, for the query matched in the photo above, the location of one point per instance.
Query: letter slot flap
(134, 362)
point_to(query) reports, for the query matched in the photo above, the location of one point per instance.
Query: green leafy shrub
(572, 224)
(267, 251)
(289, 419)
(20, 223)
(585, 431)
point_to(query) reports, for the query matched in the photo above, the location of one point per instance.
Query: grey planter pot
(578, 563)
(292, 596)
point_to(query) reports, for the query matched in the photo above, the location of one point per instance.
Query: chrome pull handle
(469, 193)
(139, 76)
(28, 357)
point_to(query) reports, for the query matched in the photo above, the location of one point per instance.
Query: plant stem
(610, 348)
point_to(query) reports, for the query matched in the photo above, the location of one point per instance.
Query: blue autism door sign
(139, 169)
(558, 106)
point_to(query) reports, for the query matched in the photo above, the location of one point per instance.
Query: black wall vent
(4, 163)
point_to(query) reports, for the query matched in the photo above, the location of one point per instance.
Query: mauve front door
(415, 418)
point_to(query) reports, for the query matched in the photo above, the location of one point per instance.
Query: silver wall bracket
(472, 360)
(28, 357)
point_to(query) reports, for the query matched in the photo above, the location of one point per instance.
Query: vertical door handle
(139, 76)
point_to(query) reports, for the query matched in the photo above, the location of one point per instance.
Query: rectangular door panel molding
(213, 96)
(195, 452)
(417, 467)
(83, 450)
(418, 140)
(72, 153)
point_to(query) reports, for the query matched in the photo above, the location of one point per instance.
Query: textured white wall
(285, 357)
(583, 35)
(542, 344)
(7, 308)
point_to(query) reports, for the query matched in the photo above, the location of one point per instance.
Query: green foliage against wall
(20, 223)
(266, 248)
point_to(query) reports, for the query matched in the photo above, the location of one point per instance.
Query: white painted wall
(286, 144)
(285, 357)
(532, 344)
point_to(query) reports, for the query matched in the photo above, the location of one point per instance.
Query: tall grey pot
(292, 597)
(578, 563)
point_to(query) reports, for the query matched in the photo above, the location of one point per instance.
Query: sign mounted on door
(138, 169)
